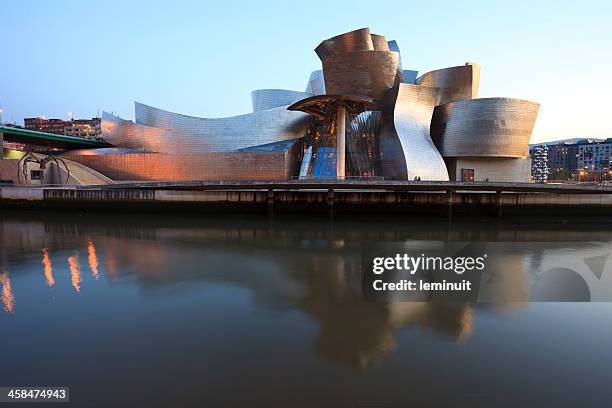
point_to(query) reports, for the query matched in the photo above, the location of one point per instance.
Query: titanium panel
(406, 148)
(407, 76)
(107, 150)
(322, 106)
(263, 99)
(455, 83)
(380, 43)
(369, 73)
(357, 40)
(316, 83)
(362, 145)
(359, 63)
(393, 46)
(192, 166)
(487, 127)
(127, 134)
(186, 134)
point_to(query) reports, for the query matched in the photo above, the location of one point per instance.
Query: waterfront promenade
(377, 198)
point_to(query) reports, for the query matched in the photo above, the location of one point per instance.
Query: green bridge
(50, 140)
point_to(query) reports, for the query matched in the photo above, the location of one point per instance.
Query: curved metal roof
(324, 105)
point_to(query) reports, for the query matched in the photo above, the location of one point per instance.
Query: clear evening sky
(203, 59)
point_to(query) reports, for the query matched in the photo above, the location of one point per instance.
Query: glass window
(467, 174)
(35, 174)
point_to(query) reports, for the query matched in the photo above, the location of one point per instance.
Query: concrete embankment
(375, 199)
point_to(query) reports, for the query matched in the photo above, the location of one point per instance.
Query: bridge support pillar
(330, 202)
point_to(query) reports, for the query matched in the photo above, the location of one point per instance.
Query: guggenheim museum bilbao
(362, 116)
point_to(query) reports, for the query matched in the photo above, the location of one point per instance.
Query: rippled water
(159, 311)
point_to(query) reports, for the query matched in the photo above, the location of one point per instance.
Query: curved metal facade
(370, 73)
(392, 45)
(379, 42)
(192, 134)
(395, 121)
(127, 134)
(263, 99)
(248, 165)
(487, 127)
(359, 63)
(316, 83)
(357, 40)
(362, 145)
(455, 83)
(406, 148)
(408, 76)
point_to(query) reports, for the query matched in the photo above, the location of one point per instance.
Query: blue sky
(203, 58)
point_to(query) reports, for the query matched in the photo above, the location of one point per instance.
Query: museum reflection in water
(308, 267)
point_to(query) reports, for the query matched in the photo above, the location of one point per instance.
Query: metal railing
(333, 178)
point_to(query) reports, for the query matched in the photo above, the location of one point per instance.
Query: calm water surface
(158, 311)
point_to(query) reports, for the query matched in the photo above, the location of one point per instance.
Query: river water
(150, 310)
